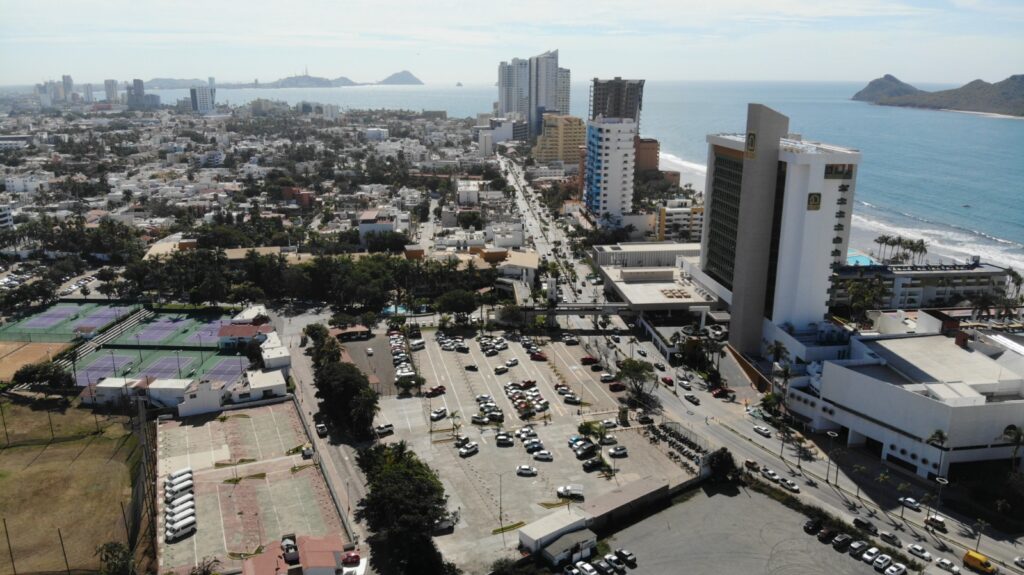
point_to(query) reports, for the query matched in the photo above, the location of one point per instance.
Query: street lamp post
(501, 510)
(942, 481)
(828, 468)
(177, 355)
(138, 347)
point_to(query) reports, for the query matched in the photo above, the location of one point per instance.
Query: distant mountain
(172, 83)
(403, 78)
(887, 86)
(1005, 97)
(343, 81)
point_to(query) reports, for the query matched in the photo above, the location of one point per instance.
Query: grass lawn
(77, 486)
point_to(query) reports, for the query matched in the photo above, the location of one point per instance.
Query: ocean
(954, 179)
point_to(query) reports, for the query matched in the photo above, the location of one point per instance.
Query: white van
(178, 509)
(180, 501)
(176, 474)
(179, 517)
(417, 344)
(180, 529)
(170, 483)
(178, 490)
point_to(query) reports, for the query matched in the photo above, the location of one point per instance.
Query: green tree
(457, 301)
(640, 380)
(47, 373)
(115, 559)
(721, 464)
(363, 409)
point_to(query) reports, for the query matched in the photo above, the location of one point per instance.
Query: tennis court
(63, 322)
(159, 364)
(176, 330)
(207, 332)
(159, 329)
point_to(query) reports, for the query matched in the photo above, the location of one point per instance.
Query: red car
(529, 383)
(617, 386)
(435, 391)
(668, 381)
(720, 392)
(588, 360)
(538, 356)
(351, 558)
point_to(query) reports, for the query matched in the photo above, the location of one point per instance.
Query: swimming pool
(856, 258)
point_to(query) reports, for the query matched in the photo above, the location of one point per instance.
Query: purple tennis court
(226, 370)
(50, 317)
(168, 367)
(207, 333)
(161, 329)
(102, 317)
(105, 366)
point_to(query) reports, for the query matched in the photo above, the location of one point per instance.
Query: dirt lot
(252, 486)
(75, 486)
(16, 354)
(479, 485)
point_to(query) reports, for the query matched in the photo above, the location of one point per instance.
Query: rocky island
(1005, 97)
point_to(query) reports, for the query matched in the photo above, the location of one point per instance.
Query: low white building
(250, 314)
(275, 355)
(167, 392)
(643, 254)
(257, 385)
(890, 394)
(375, 134)
(468, 191)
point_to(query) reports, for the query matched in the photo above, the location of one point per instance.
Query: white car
(789, 484)
(919, 552)
(526, 471)
(947, 565)
(881, 562)
(762, 430)
(512, 362)
(1018, 561)
(438, 414)
(609, 423)
(911, 503)
(543, 455)
(770, 475)
(369, 351)
(896, 569)
(870, 555)
(470, 449)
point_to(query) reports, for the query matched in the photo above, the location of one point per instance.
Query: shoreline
(865, 229)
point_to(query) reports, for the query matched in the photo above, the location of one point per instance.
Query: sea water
(953, 179)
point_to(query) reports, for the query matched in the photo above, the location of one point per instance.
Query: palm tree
(982, 304)
(858, 469)
(938, 438)
(1015, 435)
(881, 240)
(778, 351)
(882, 478)
(456, 420)
(784, 434)
(784, 373)
(1015, 280)
(980, 525)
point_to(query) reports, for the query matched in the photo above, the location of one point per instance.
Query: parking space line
(583, 382)
(259, 449)
(541, 379)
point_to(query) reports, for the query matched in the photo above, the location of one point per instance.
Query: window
(839, 171)
(243, 395)
(192, 396)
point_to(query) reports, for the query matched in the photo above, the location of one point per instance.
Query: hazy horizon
(950, 42)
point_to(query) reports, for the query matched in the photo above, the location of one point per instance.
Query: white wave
(669, 161)
(945, 243)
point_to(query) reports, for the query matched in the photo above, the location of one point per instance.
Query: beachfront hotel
(777, 220)
(609, 168)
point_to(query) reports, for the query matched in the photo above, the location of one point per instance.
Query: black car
(660, 366)
(645, 419)
(827, 534)
(842, 542)
(472, 367)
(812, 526)
(592, 464)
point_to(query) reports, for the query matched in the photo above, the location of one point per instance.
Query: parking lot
(742, 533)
(480, 484)
(251, 484)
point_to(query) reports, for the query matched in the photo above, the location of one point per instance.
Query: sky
(445, 41)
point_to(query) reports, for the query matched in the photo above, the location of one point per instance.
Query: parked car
(891, 539)
(617, 386)
(770, 474)
(369, 351)
(618, 451)
(321, 430)
(826, 535)
(645, 419)
(572, 399)
(857, 548)
(668, 381)
(438, 414)
(470, 449)
(615, 562)
(812, 526)
(659, 366)
(472, 367)
(512, 362)
(592, 465)
(870, 555)
(607, 377)
(538, 356)
(641, 352)
(692, 398)
(841, 542)
(789, 484)
(588, 360)
(882, 562)
(627, 557)
(947, 565)
(865, 525)
(543, 455)
(526, 471)
(386, 429)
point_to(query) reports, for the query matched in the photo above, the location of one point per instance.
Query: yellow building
(560, 139)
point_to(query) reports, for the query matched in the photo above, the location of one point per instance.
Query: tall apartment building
(514, 88)
(681, 220)
(608, 175)
(562, 98)
(616, 98)
(135, 95)
(87, 94)
(203, 99)
(560, 139)
(543, 88)
(777, 220)
(68, 85)
(110, 88)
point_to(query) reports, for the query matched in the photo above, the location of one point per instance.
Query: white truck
(571, 491)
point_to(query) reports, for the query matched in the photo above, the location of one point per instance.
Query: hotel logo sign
(751, 148)
(813, 202)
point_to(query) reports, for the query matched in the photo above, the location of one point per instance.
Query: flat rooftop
(648, 247)
(793, 144)
(938, 359)
(659, 293)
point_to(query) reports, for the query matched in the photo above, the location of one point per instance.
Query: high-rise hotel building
(609, 168)
(777, 219)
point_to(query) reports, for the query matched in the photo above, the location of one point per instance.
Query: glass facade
(723, 222)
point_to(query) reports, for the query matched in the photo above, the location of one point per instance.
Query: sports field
(62, 322)
(176, 330)
(15, 354)
(159, 363)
